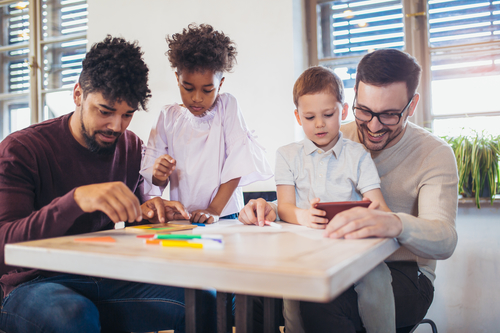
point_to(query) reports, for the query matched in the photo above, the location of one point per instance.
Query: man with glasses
(418, 180)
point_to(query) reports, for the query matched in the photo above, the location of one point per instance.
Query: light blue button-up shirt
(342, 173)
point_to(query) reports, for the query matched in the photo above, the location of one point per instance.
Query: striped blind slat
(357, 27)
(18, 32)
(474, 26)
(72, 16)
(453, 22)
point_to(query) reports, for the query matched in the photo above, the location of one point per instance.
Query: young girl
(203, 146)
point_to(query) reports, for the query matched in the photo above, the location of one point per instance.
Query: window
(464, 39)
(14, 51)
(457, 42)
(41, 56)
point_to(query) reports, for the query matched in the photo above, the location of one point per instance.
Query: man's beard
(376, 146)
(94, 146)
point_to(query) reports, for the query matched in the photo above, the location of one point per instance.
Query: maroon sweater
(40, 167)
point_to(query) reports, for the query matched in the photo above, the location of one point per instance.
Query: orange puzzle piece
(104, 239)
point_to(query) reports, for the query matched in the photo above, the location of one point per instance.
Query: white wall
(269, 37)
(467, 297)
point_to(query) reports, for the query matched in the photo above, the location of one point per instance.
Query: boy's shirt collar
(310, 147)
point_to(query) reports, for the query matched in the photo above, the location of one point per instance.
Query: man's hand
(359, 222)
(158, 210)
(311, 217)
(114, 199)
(207, 216)
(257, 212)
(162, 169)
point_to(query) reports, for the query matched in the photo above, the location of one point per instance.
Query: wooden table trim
(319, 285)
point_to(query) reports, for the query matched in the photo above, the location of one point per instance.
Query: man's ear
(345, 110)
(297, 117)
(413, 105)
(77, 94)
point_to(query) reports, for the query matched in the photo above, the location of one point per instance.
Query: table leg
(244, 314)
(192, 299)
(272, 313)
(245, 311)
(224, 312)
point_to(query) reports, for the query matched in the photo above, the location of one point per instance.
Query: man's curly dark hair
(200, 48)
(115, 68)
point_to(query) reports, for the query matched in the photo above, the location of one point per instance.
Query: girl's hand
(207, 216)
(162, 169)
(312, 217)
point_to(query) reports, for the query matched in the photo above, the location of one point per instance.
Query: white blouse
(209, 151)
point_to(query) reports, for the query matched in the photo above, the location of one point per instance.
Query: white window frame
(36, 43)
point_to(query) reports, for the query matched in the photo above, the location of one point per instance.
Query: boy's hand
(162, 169)
(158, 210)
(312, 217)
(207, 216)
(257, 211)
(374, 205)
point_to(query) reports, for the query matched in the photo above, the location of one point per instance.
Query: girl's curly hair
(200, 48)
(115, 68)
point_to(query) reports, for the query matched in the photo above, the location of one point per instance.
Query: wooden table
(293, 262)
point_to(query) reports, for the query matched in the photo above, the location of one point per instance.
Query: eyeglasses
(385, 118)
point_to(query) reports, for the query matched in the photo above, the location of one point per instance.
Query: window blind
(17, 19)
(63, 61)
(462, 36)
(357, 27)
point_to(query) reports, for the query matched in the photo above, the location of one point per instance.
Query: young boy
(326, 167)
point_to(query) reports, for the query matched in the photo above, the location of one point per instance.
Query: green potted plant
(477, 161)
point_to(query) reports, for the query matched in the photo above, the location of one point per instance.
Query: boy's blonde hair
(318, 79)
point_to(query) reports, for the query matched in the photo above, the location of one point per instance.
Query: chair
(267, 195)
(411, 329)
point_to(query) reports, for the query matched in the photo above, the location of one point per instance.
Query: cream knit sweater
(419, 183)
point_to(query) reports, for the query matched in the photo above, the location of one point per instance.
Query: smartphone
(333, 208)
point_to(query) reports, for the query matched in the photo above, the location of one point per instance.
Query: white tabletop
(293, 262)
